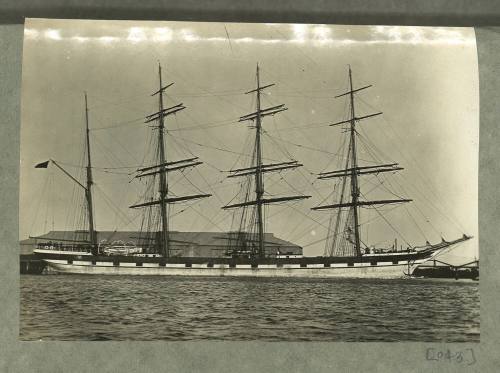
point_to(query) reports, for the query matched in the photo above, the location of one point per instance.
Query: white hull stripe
(84, 267)
(237, 266)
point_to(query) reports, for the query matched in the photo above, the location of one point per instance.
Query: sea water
(74, 307)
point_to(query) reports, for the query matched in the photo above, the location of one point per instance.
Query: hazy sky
(425, 80)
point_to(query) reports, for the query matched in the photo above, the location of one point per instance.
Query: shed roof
(179, 238)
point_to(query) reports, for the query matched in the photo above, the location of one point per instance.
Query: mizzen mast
(87, 186)
(164, 167)
(259, 169)
(353, 170)
(88, 189)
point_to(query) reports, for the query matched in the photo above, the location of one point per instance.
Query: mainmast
(259, 182)
(163, 167)
(163, 187)
(352, 169)
(88, 189)
(259, 169)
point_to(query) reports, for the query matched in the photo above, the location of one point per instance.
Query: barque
(247, 252)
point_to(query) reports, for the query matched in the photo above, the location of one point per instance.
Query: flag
(42, 165)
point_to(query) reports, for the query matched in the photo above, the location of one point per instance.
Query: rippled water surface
(62, 307)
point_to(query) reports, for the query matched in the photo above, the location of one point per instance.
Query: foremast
(163, 187)
(164, 167)
(352, 170)
(260, 168)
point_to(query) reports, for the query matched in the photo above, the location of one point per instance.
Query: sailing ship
(247, 254)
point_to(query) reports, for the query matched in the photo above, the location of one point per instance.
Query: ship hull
(314, 269)
(383, 265)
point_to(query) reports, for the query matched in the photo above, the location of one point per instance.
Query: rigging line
(136, 109)
(49, 176)
(210, 186)
(315, 103)
(302, 96)
(283, 208)
(206, 218)
(371, 151)
(309, 183)
(181, 145)
(95, 167)
(109, 154)
(331, 194)
(248, 144)
(203, 89)
(382, 182)
(202, 95)
(378, 185)
(297, 234)
(279, 135)
(421, 212)
(216, 140)
(299, 49)
(431, 204)
(307, 216)
(72, 216)
(126, 149)
(309, 125)
(374, 219)
(290, 185)
(120, 124)
(132, 156)
(190, 182)
(370, 148)
(115, 172)
(392, 227)
(211, 165)
(228, 38)
(111, 204)
(318, 241)
(306, 232)
(187, 151)
(224, 92)
(119, 168)
(204, 126)
(287, 118)
(148, 144)
(321, 90)
(317, 150)
(342, 142)
(221, 149)
(121, 102)
(414, 221)
(280, 147)
(429, 183)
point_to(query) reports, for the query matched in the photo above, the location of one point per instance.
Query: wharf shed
(182, 244)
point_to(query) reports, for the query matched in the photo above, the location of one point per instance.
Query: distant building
(182, 244)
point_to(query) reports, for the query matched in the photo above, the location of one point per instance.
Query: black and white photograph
(187, 181)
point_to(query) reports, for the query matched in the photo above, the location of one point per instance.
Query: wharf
(439, 269)
(30, 264)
